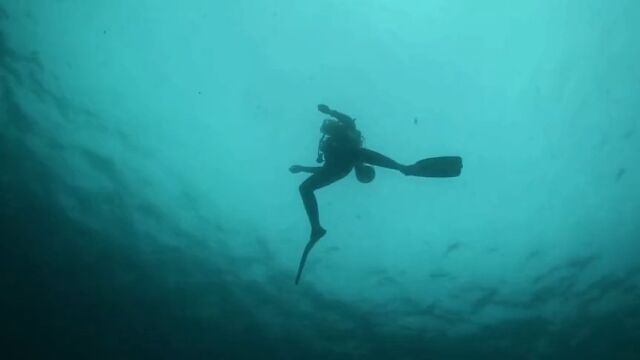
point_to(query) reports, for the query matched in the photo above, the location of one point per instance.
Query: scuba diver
(341, 149)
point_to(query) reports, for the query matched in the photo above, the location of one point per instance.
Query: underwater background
(147, 211)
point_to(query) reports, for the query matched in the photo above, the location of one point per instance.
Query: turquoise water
(147, 210)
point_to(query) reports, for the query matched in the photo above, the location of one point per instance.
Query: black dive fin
(443, 166)
(303, 260)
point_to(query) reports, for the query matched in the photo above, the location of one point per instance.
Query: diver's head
(365, 173)
(330, 127)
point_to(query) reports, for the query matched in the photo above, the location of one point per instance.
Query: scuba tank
(337, 133)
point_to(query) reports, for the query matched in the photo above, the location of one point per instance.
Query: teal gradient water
(146, 209)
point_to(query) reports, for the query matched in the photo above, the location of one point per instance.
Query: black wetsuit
(342, 151)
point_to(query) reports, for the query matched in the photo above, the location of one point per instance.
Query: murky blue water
(146, 209)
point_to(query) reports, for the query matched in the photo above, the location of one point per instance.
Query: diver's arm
(310, 169)
(343, 118)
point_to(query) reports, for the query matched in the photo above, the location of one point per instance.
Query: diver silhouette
(341, 149)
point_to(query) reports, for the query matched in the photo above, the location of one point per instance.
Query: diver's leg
(316, 181)
(375, 158)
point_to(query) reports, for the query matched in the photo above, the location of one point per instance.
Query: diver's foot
(317, 234)
(405, 169)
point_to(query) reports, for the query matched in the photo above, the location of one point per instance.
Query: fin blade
(303, 259)
(442, 166)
